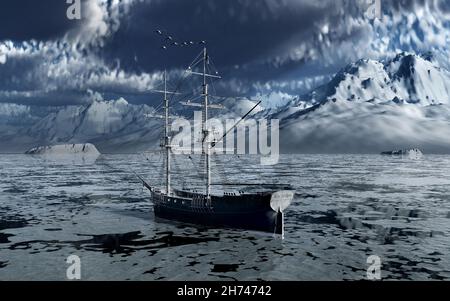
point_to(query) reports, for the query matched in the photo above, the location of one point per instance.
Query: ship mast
(206, 143)
(205, 130)
(166, 145)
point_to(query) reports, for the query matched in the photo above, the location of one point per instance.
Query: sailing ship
(261, 208)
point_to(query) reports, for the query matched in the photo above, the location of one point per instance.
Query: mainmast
(166, 145)
(205, 142)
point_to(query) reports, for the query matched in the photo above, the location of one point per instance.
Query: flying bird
(169, 39)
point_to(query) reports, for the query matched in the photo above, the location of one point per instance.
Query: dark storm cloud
(248, 40)
(237, 32)
(30, 19)
(264, 39)
(262, 46)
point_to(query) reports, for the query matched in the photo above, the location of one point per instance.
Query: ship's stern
(279, 202)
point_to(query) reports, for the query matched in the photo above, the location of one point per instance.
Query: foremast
(166, 142)
(206, 144)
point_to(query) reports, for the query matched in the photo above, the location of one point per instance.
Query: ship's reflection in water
(126, 243)
(346, 209)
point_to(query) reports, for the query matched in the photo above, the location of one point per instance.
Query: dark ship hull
(262, 211)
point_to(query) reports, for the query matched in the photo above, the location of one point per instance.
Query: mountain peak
(406, 78)
(121, 101)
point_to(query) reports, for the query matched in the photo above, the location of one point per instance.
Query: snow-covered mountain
(100, 118)
(406, 78)
(368, 107)
(371, 106)
(110, 125)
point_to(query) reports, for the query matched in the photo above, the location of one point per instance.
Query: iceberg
(413, 153)
(66, 153)
(65, 149)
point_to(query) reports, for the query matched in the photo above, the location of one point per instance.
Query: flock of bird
(169, 41)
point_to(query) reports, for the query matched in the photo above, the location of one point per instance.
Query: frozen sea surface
(346, 208)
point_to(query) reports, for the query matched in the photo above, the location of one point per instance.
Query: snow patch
(243, 106)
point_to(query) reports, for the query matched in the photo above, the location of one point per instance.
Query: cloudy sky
(267, 48)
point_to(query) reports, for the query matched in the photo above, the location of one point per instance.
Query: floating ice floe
(413, 153)
(64, 149)
(86, 152)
